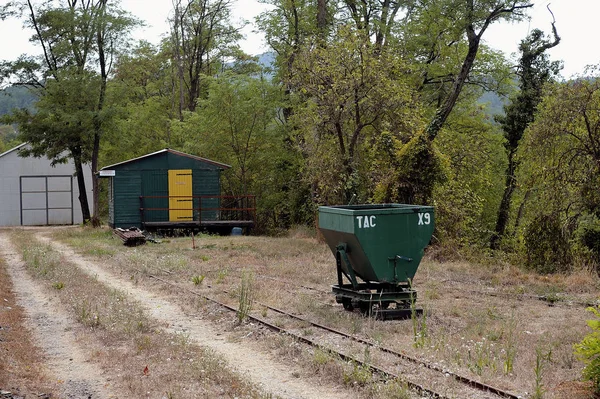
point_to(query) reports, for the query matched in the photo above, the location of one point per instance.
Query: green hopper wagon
(378, 249)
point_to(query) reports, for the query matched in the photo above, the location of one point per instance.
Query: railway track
(552, 300)
(411, 370)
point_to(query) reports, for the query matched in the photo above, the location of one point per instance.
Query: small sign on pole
(107, 173)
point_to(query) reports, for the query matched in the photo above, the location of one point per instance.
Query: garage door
(46, 200)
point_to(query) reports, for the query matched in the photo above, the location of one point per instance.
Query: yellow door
(180, 195)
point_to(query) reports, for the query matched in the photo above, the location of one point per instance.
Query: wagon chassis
(373, 298)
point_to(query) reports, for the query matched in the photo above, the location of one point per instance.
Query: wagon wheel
(347, 304)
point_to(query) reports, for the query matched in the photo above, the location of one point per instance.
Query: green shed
(170, 189)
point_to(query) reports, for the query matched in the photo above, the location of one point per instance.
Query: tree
(237, 125)
(348, 95)
(79, 41)
(443, 42)
(289, 26)
(201, 36)
(534, 71)
(472, 18)
(144, 92)
(559, 162)
(375, 18)
(467, 198)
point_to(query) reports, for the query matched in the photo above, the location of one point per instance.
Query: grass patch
(460, 313)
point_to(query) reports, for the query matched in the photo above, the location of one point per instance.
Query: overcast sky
(577, 22)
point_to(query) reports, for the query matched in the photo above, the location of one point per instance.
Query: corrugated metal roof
(12, 149)
(183, 154)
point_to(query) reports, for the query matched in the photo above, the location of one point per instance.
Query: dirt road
(57, 334)
(53, 331)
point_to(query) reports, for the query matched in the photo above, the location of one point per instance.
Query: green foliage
(198, 279)
(510, 350)
(548, 248)
(288, 25)
(588, 350)
(142, 90)
(349, 96)
(535, 70)
(542, 358)
(419, 324)
(202, 35)
(445, 40)
(16, 97)
(359, 374)
(558, 167)
(467, 199)
(419, 169)
(8, 137)
(79, 40)
(237, 125)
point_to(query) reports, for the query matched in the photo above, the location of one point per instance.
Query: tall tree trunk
(521, 209)
(83, 199)
(503, 212)
(474, 39)
(97, 120)
(534, 73)
(322, 19)
(443, 112)
(177, 50)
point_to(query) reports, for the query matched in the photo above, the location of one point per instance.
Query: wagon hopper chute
(377, 249)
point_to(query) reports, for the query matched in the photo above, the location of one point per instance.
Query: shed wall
(148, 176)
(129, 185)
(13, 167)
(127, 188)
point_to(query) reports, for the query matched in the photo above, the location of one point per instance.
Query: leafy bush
(590, 238)
(547, 246)
(588, 350)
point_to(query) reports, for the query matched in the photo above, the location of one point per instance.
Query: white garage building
(34, 193)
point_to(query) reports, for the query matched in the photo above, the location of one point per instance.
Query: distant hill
(494, 103)
(16, 97)
(12, 98)
(266, 60)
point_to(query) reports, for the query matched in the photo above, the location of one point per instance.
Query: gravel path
(53, 332)
(261, 368)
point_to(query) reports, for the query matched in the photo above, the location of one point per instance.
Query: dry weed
(22, 368)
(478, 319)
